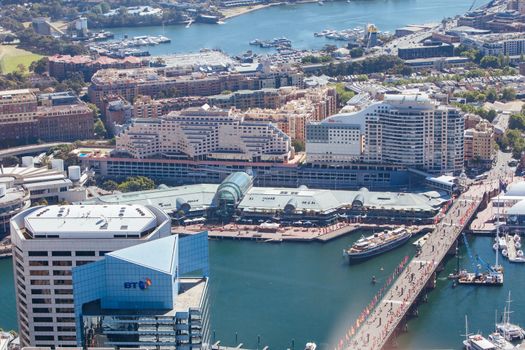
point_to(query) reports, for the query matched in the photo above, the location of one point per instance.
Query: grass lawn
(11, 57)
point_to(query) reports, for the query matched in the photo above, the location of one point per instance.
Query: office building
(205, 133)
(409, 130)
(23, 120)
(152, 295)
(427, 49)
(49, 241)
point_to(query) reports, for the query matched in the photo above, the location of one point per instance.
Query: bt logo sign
(140, 284)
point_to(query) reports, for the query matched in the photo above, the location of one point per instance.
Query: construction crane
(476, 261)
(472, 6)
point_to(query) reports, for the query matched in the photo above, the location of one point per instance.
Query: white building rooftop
(90, 221)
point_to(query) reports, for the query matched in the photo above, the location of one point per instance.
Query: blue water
(298, 23)
(304, 292)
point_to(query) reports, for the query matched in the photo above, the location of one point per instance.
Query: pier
(390, 313)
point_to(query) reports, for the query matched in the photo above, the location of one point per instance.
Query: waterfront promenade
(391, 310)
(291, 234)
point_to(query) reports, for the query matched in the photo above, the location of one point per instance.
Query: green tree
(138, 183)
(344, 95)
(100, 129)
(298, 145)
(109, 185)
(508, 94)
(491, 94)
(517, 122)
(40, 66)
(41, 201)
(356, 52)
(490, 62)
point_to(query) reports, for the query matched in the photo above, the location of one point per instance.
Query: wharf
(290, 234)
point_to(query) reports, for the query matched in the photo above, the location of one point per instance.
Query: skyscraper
(49, 241)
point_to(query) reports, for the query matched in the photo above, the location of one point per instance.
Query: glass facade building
(152, 295)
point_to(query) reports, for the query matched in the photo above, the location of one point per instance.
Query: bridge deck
(390, 310)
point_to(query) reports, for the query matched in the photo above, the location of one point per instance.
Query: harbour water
(306, 292)
(298, 23)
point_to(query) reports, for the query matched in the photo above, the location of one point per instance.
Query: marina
(128, 46)
(297, 22)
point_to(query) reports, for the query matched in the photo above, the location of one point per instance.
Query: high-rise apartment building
(48, 242)
(409, 130)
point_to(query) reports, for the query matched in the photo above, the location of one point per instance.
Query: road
(14, 151)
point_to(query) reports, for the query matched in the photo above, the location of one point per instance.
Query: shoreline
(242, 10)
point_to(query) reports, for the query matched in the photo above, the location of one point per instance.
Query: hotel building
(408, 130)
(201, 133)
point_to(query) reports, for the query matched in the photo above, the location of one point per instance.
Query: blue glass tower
(151, 295)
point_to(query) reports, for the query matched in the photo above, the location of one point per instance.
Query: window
(39, 273)
(65, 329)
(62, 263)
(44, 337)
(37, 253)
(41, 301)
(42, 310)
(64, 301)
(40, 282)
(43, 329)
(65, 310)
(40, 291)
(61, 253)
(38, 263)
(66, 319)
(61, 273)
(63, 282)
(63, 291)
(84, 253)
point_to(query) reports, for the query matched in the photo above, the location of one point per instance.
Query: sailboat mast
(497, 235)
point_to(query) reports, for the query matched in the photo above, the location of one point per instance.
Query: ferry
(367, 247)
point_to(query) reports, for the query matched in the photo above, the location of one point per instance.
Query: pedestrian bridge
(389, 310)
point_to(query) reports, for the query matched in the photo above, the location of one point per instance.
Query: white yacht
(476, 341)
(501, 343)
(509, 330)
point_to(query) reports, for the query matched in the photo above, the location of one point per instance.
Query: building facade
(157, 82)
(49, 241)
(152, 295)
(24, 119)
(205, 134)
(408, 130)
(479, 145)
